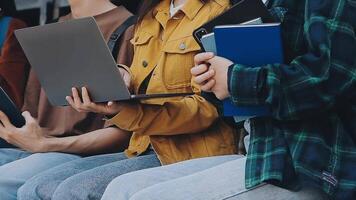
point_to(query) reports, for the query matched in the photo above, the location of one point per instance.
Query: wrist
(244, 85)
(54, 144)
(47, 145)
(116, 109)
(229, 75)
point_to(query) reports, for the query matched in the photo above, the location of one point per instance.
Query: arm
(189, 115)
(33, 138)
(107, 140)
(311, 83)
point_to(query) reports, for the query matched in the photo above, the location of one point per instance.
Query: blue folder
(252, 46)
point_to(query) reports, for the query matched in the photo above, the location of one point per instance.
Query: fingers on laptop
(84, 103)
(76, 102)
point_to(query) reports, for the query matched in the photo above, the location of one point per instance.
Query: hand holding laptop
(84, 104)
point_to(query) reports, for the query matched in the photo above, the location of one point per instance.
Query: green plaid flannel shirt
(311, 136)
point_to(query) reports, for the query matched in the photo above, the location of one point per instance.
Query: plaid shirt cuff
(246, 84)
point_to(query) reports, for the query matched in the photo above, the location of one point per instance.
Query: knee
(68, 190)
(121, 188)
(8, 186)
(79, 188)
(117, 189)
(5, 191)
(28, 192)
(36, 189)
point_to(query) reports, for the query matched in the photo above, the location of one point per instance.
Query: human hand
(85, 104)
(220, 66)
(203, 75)
(211, 74)
(31, 137)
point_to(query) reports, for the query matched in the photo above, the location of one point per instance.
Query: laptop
(74, 54)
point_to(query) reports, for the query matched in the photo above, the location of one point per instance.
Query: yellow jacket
(177, 128)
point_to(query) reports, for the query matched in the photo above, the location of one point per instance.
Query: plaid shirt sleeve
(313, 80)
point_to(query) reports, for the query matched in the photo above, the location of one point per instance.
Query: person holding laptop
(306, 145)
(169, 130)
(55, 135)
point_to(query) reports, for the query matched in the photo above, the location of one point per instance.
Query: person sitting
(165, 130)
(56, 135)
(306, 146)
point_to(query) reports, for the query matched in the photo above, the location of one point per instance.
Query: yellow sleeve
(192, 114)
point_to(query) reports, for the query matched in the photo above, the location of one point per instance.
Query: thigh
(43, 185)
(225, 181)
(33, 164)
(215, 183)
(91, 184)
(16, 173)
(271, 192)
(8, 155)
(139, 180)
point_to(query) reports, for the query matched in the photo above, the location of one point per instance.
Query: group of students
(181, 147)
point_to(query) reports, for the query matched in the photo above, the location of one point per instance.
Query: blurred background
(35, 12)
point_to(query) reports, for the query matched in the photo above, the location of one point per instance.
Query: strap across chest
(116, 35)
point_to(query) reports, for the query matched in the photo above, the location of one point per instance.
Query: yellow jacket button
(182, 46)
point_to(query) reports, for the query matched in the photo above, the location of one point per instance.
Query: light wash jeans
(216, 178)
(22, 166)
(11, 154)
(85, 178)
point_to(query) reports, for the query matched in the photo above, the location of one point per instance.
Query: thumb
(212, 61)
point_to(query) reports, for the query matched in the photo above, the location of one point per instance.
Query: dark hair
(147, 6)
(131, 5)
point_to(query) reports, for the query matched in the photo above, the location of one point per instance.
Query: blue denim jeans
(8, 155)
(85, 178)
(21, 166)
(215, 178)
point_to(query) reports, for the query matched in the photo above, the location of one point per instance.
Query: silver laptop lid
(72, 54)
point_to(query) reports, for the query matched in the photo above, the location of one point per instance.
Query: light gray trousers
(215, 178)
